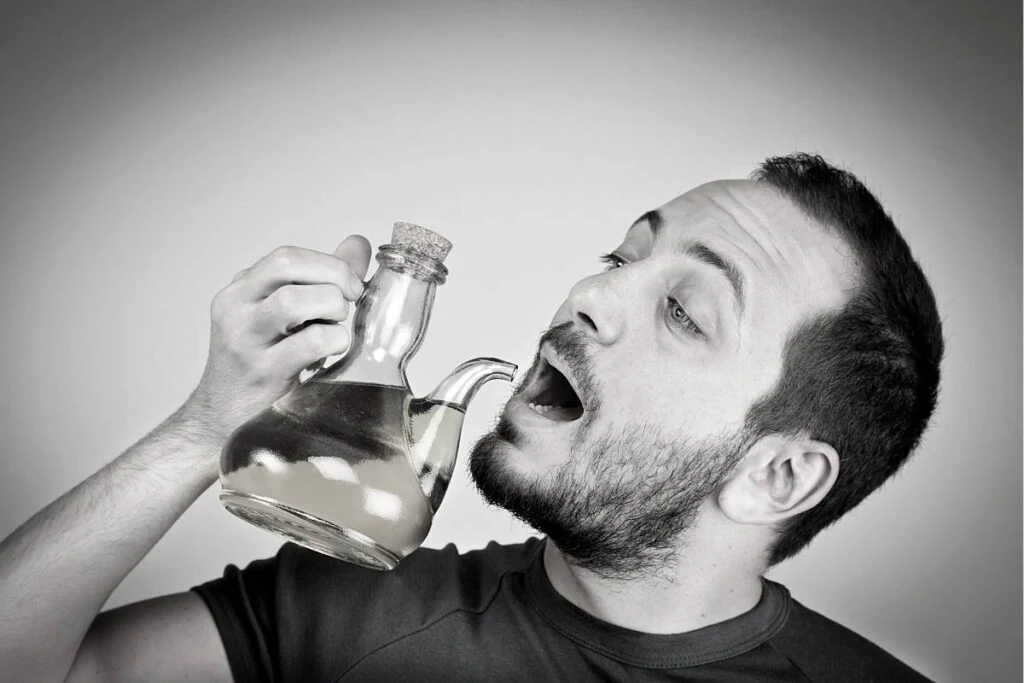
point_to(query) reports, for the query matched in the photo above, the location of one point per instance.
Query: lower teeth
(556, 413)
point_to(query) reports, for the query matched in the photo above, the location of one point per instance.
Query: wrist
(197, 437)
(195, 420)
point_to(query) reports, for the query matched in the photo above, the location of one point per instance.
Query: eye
(678, 315)
(612, 261)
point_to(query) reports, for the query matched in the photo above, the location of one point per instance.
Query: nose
(596, 309)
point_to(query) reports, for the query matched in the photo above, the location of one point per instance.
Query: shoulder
(825, 650)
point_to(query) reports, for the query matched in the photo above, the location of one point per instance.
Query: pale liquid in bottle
(352, 466)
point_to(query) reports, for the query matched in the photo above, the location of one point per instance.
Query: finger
(290, 306)
(291, 355)
(355, 250)
(296, 265)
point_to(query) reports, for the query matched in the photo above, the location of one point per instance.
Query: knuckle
(284, 256)
(328, 340)
(285, 298)
(336, 299)
(219, 307)
(216, 308)
(317, 338)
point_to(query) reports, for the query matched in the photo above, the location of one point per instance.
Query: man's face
(649, 369)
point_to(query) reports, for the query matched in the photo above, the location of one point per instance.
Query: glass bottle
(350, 463)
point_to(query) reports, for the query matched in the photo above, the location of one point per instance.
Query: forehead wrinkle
(754, 224)
(800, 245)
(794, 263)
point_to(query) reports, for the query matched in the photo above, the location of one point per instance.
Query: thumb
(355, 251)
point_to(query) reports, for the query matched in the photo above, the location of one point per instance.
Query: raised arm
(58, 569)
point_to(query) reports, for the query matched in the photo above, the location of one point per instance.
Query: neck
(697, 590)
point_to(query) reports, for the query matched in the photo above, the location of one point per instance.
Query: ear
(780, 477)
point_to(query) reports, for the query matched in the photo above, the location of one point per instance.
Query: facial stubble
(621, 503)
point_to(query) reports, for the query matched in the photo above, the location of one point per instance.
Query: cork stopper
(426, 242)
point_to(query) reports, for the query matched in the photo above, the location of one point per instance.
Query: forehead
(779, 251)
(741, 211)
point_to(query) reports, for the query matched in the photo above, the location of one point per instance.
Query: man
(757, 358)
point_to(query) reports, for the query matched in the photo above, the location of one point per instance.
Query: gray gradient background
(151, 150)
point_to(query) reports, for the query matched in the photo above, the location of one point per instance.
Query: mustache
(573, 347)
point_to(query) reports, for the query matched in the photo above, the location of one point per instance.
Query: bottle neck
(404, 260)
(390, 320)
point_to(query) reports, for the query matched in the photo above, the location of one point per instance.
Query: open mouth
(552, 396)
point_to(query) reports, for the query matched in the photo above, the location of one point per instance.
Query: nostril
(587, 320)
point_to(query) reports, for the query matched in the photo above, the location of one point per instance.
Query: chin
(501, 465)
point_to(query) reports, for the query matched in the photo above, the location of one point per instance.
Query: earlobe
(779, 479)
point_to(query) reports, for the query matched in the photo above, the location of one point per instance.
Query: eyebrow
(702, 253)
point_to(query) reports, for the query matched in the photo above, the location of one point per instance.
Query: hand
(273, 320)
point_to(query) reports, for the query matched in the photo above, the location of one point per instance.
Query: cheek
(732, 393)
(706, 411)
(697, 404)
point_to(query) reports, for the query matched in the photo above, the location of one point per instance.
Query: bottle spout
(458, 388)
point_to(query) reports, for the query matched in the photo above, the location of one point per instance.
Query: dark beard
(641, 491)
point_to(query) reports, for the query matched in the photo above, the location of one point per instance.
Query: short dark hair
(864, 379)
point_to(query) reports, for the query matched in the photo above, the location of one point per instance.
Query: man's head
(764, 351)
